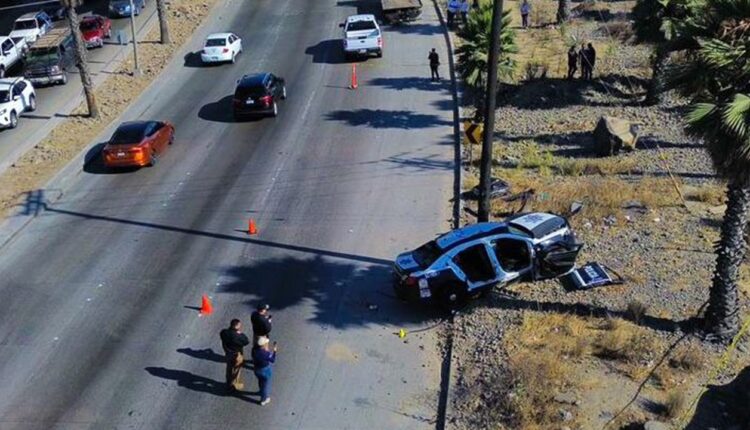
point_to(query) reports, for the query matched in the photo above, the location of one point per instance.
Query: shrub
(674, 403)
(535, 70)
(636, 310)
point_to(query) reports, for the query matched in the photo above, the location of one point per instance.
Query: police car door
(514, 256)
(474, 266)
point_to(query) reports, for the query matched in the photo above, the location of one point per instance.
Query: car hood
(406, 262)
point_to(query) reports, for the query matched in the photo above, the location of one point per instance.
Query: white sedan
(221, 47)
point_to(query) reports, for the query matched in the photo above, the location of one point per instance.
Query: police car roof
(537, 224)
(470, 232)
(363, 17)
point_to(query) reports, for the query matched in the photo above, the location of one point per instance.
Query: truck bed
(389, 5)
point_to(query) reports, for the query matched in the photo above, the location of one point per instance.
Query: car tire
(171, 138)
(275, 111)
(13, 119)
(64, 79)
(152, 160)
(32, 103)
(2, 72)
(453, 297)
(283, 92)
(109, 34)
(379, 54)
(234, 58)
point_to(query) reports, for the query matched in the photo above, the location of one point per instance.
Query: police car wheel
(453, 297)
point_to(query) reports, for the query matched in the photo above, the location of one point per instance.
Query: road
(57, 101)
(99, 329)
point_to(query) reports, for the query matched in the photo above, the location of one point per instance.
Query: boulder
(613, 135)
(655, 425)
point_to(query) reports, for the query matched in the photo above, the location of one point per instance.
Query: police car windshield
(361, 25)
(426, 254)
(26, 24)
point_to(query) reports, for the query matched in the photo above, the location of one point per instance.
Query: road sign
(473, 132)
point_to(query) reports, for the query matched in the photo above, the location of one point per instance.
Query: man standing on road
(572, 62)
(263, 359)
(434, 63)
(233, 341)
(261, 321)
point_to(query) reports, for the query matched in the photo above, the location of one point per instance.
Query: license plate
(215, 58)
(424, 293)
(363, 51)
(249, 102)
(120, 154)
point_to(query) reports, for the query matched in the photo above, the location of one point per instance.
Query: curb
(73, 103)
(448, 369)
(54, 189)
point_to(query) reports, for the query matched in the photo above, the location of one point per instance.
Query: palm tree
(161, 9)
(563, 11)
(474, 51)
(80, 48)
(716, 75)
(658, 22)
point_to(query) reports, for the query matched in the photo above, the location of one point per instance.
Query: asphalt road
(54, 102)
(99, 329)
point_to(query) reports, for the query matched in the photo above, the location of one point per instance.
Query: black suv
(258, 95)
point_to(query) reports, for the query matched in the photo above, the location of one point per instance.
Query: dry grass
(674, 404)
(713, 195)
(689, 358)
(627, 343)
(636, 310)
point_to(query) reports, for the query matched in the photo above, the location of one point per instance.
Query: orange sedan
(138, 143)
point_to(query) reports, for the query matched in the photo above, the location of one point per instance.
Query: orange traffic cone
(354, 85)
(206, 307)
(251, 228)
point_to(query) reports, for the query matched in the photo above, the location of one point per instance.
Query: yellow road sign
(473, 132)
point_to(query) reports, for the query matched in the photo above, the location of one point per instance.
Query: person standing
(453, 8)
(263, 359)
(261, 321)
(464, 9)
(572, 62)
(525, 11)
(591, 59)
(233, 341)
(582, 55)
(434, 63)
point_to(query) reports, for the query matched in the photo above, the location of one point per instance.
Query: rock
(566, 415)
(566, 398)
(655, 425)
(612, 135)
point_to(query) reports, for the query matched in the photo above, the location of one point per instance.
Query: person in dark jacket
(572, 62)
(261, 321)
(591, 59)
(233, 341)
(263, 359)
(583, 59)
(434, 63)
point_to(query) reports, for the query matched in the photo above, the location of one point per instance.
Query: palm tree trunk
(83, 66)
(563, 11)
(161, 9)
(655, 94)
(722, 316)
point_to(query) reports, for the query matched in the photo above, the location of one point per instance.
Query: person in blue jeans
(263, 359)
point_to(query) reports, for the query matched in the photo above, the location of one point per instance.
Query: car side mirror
(575, 207)
(16, 98)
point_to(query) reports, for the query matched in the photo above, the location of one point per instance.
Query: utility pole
(136, 69)
(485, 167)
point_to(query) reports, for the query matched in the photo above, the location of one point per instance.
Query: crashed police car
(473, 259)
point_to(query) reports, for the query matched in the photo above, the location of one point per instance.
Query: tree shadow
(93, 163)
(411, 83)
(422, 29)
(550, 93)
(378, 118)
(724, 406)
(197, 383)
(345, 293)
(328, 52)
(362, 6)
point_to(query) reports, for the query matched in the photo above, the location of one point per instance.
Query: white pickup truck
(362, 36)
(12, 50)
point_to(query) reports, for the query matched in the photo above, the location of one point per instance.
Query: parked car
(258, 95)
(12, 50)
(17, 95)
(362, 36)
(121, 8)
(138, 143)
(221, 47)
(48, 60)
(94, 29)
(31, 26)
(467, 261)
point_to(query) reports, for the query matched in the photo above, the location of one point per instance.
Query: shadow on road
(193, 59)
(94, 163)
(327, 52)
(422, 83)
(363, 7)
(378, 118)
(208, 354)
(197, 383)
(422, 29)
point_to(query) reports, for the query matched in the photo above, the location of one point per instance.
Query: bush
(636, 310)
(674, 404)
(535, 70)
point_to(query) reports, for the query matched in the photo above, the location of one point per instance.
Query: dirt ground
(69, 138)
(540, 356)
